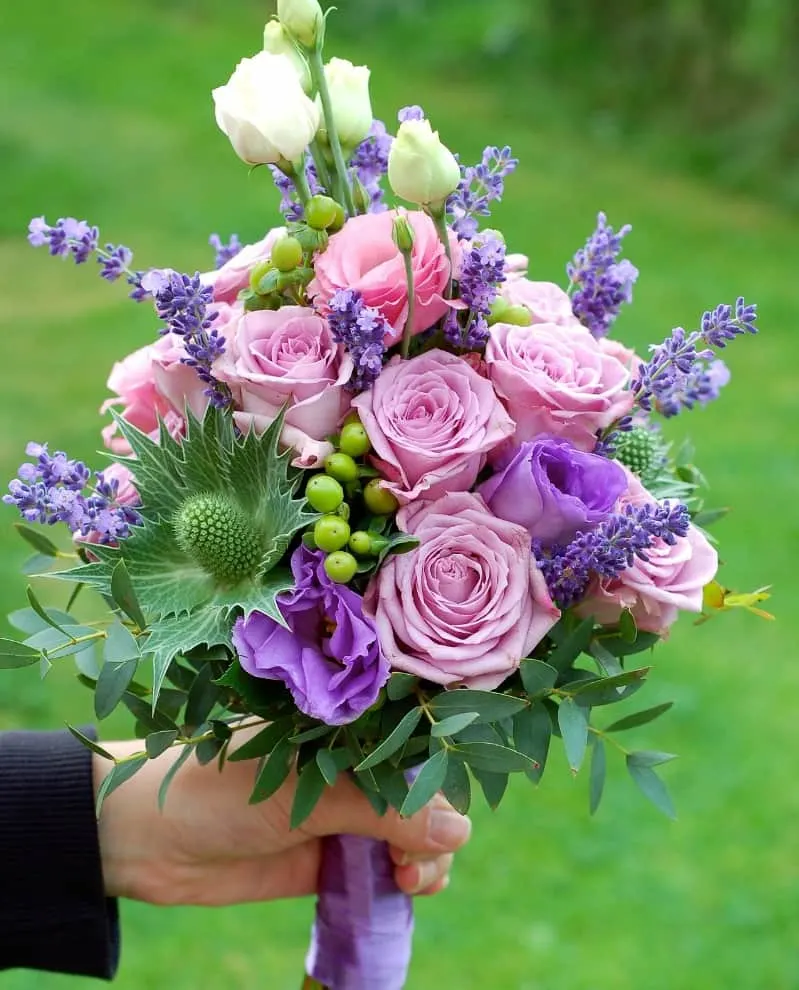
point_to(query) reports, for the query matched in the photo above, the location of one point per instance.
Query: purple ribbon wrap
(361, 938)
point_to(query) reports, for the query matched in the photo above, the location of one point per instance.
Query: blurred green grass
(107, 115)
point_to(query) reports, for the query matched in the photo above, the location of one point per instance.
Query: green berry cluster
(638, 449)
(338, 493)
(218, 536)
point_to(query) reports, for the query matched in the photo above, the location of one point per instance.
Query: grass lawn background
(107, 115)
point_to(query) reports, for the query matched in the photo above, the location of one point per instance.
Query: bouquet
(375, 495)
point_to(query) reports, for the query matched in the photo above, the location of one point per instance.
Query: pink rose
(557, 380)
(363, 256)
(658, 589)
(545, 301)
(288, 356)
(468, 604)
(431, 421)
(234, 276)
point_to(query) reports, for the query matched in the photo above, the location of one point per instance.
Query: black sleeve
(54, 914)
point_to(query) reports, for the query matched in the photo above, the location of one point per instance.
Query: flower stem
(297, 175)
(439, 218)
(320, 82)
(409, 322)
(322, 172)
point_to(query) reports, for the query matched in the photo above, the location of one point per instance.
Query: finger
(415, 878)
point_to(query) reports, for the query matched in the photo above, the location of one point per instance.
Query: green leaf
(159, 742)
(123, 594)
(489, 705)
(571, 645)
(391, 784)
(263, 743)
(398, 543)
(14, 655)
(180, 634)
(274, 771)
(400, 685)
(87, 664)
(597, 778)
(203, 695)
(652, 787)
(618, 647)
(604, 684)
(29, 621)
(453, 724)
(707, 517)
(317, 732)
(427, 784)
(457, 788)
(40, 543)
(310, 787)
(169, 776)
(537, 677)
(573, 722)
(393, 742)
(532, 731)
(327, 766)
(112, 682)
(628, 629)
(649, 758)
(209, 749)
(493, 757)
(90, 743)
(120, 644)
(639, 718)
(42, 612)
(37, 566)
(153, 720)
(118, 775)
(606, 661)
(58, 644)
(493, 785)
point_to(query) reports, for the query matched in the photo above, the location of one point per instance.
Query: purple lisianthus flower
(553, 489)
(329, 657)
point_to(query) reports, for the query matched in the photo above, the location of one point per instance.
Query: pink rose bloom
(126, 483)
(363, 256)
(545, 301)
(431, 421)
(468, 604)
(138, 398)
(234, 276)
(288, 356)
(557, 380)
(516, 264)
(658, 589)
(616, 349)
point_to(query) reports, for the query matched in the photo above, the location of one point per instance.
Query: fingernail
(426, 876)
(448, 829)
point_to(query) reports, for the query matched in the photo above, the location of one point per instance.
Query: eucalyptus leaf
(393, 742)
(274, 771)
(37, 565)
(400, 685)
(87, 664)
(494, 758)
(112, 683)
(120, 644)
(709, 516)
(317, 732)
(40, 543)
(652, 787)
(153, 721)
(604, 685)
(159, 742)
(537, 677)
(29, 621)
(14, 655)
(169, 776)
(392, 784)
(607, 662)
(489, 705)
(492, 784)
(263, 743)
(209, 749)
(124, 595)
(310, 787)
(453, 724)
(90, 743)
(327, 766)
(203, 695)
(42, 612)
(597, 777)
(457, 788)
(532, 732)
(618, 647)
(118, 775)
(649, 758)
(628, 629)
(427, 784)
(573, 722)
(571, 645)
(639, 718)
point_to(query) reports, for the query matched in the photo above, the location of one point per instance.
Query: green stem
(607, 737)
(311, 984)
(439, 218)
(318, 75)
(297, 175)
(191, 740)
(322, 172)
(408, 331)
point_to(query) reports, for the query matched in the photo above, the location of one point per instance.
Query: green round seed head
(637, 449)
(287, 254)
(378, 500)
(354, 440)
(324, 493)
(361, 543)
(321, 212)
(341, 566)
(341, 467)
(215, 532)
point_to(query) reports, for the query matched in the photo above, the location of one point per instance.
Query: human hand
(210, 847)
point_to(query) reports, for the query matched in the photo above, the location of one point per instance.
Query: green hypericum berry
(378, 500)
(354, 440)
(257, 273)
(518, 316)
(331, 533)
(341, 566)
(637, 449)
(341, 467)
(287, 254)
(361, 543)
(340, 219)
(216, 533)
(321, 212)
(324, 493)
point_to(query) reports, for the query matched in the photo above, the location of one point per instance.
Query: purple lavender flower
(182, 302)
(224, 251)
(480, 185)
(290, 205)
(719, 325)
(362, 330)
(115, 262)
(370, 163)
(603, 283)
(609, 549)
(329, 657)
(482, 272)
(411, 113)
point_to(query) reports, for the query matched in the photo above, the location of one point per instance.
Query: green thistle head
(640, 450)
(214, 531)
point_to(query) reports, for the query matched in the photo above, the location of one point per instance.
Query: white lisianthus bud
(264, 111)
(301, 18)
(348, 85)
(420, 168)
(277, 42)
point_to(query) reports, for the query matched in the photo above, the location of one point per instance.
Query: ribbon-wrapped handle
(363, 929)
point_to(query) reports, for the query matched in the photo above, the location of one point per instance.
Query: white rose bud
(349, 95)
(264, 111)
(301, 18)
(277, 42)
(420, 168)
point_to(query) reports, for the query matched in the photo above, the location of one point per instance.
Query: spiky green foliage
(218, 513)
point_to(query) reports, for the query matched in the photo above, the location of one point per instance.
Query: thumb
(438, 828)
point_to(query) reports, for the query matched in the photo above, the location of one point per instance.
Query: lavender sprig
(481, 185)
(603, 283)
(80, 240)
(482, 272)
(609, 549)
(225, 252)
(370, 163)
(290, 205)
(52, 490)
(679, 375)
(362, 330)
(183, 303)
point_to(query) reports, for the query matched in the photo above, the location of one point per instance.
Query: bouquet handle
(362, 932)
